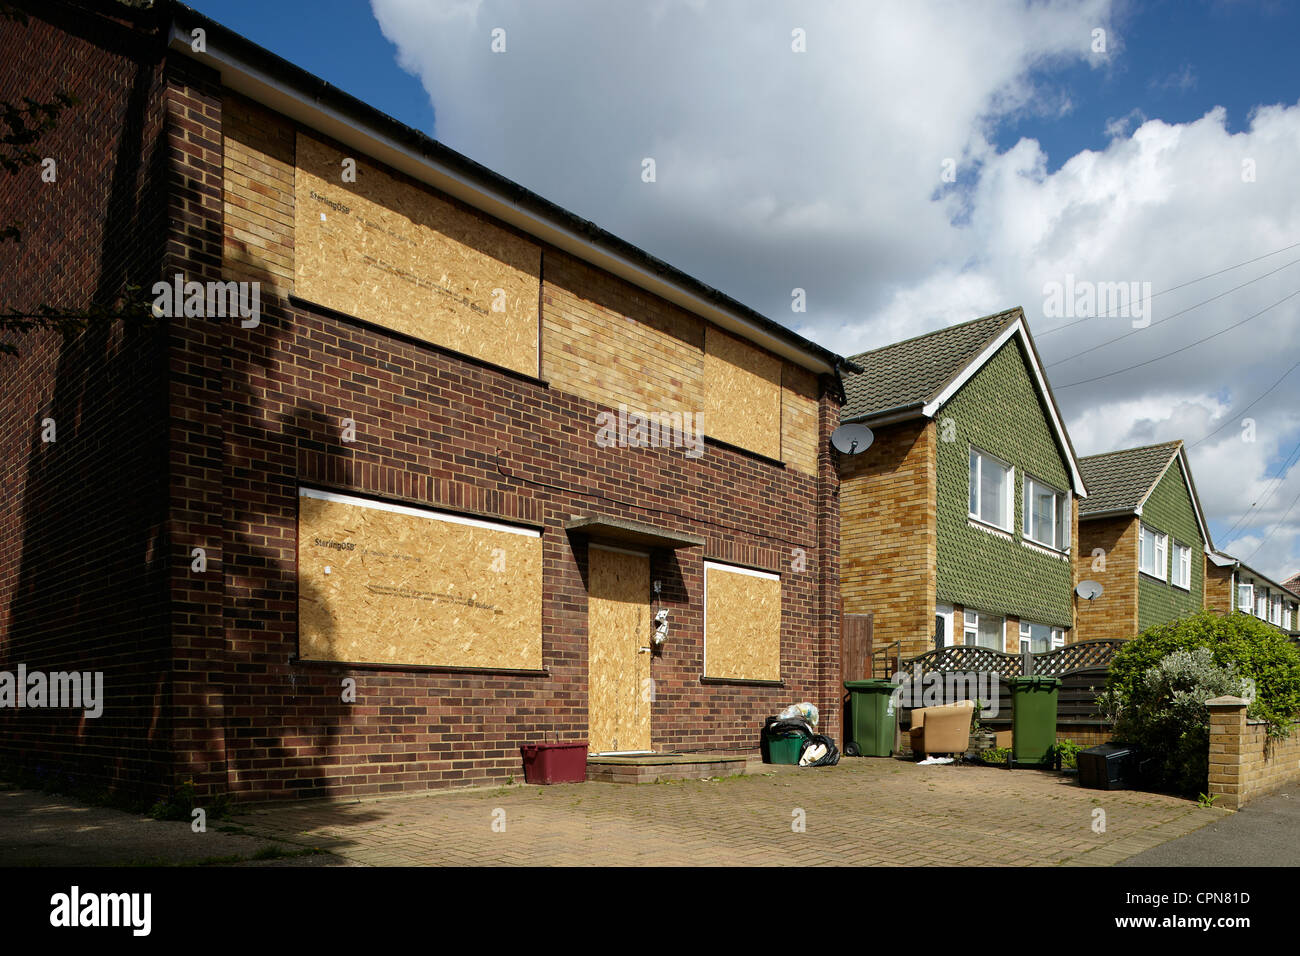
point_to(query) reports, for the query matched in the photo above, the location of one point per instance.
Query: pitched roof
(911, 373)
(916, 377)
(1119, 481)
(1292, 583)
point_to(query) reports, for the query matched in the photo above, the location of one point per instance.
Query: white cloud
(822, 170)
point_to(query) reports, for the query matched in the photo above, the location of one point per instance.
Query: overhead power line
(1275, 482)
(1228, 421)
(1175, 288)
(1152, 325)
(1235, 325)
(1280, 521)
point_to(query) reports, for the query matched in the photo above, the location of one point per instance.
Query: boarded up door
(618, 671)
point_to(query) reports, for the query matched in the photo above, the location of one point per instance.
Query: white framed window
(1275, 610)
(983, 630)
(991, 483)
(1182, 566)
(1046, 515)
(1286, 617)
(1153, 555)
(1245, 597)
(1038, 638)
(1261, 604)
(943, 635)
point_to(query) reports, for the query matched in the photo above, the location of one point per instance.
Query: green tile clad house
(959, 521)
(1143, 537)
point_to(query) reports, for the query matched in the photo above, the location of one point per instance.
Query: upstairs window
(1046, 515)
(1245, 597)
(990, 490)
(1261, 604)
(1182, 566)
(1153, 557)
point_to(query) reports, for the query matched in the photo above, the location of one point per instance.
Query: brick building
(1232, 585)
(1144, 538)
(958, 522)
(426, 501)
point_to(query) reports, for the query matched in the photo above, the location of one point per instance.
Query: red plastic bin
(555, 763)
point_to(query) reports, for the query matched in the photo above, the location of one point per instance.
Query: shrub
(1252, 648)
(1068, 751)
(995, 756)
(1166, 716)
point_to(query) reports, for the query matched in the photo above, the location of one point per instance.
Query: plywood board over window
(742, 400)
(385, 583)
(742, 623)
(399, 256)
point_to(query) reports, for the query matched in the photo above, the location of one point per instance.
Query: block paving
(864, 812)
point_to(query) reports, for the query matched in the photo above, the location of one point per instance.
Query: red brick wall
(82, 520)
(437, 429)
(198, 434)
(441, 431)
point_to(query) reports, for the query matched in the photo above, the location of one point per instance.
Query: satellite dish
(1088, 590)
(852, 439)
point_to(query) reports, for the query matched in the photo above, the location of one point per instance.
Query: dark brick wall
(437, 430)
(82, 519)
(197, 435)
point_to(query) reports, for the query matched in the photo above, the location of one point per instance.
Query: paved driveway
(879, 812)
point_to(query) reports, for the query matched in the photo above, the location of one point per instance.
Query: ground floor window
(1039, 638)
(983, 630)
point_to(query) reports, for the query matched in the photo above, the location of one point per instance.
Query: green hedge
(1253, 649)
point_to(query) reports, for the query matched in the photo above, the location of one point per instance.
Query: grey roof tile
(914, 371)
(1120, 480)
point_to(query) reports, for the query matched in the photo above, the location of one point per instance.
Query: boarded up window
(396, 255)
(742, 401)
(742, 623)
(390, 584)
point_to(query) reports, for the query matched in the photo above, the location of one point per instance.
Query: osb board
(397, 255)
(799, 436)
(412, 587)
(742, 625)
(742, 394)
(618, 625)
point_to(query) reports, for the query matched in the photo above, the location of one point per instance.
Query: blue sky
(1182, 58)
(821, 171)
(339, 41)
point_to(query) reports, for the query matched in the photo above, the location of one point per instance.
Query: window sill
(419, 668)
(1045, 549)
(1151, 577)
(742, 682)
(990, 528)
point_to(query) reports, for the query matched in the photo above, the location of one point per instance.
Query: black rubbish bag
(830, 758)
(778, 727)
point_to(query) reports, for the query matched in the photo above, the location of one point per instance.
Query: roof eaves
(235, 55)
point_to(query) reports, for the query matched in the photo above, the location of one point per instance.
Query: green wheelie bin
(871, 717)
(1033, 720)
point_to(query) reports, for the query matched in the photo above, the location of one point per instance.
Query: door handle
(643, 650)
